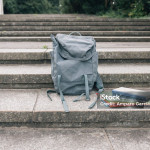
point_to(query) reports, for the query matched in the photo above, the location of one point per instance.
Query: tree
(31, 6)
(82, 6)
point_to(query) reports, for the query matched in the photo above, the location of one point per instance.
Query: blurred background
(105, 8)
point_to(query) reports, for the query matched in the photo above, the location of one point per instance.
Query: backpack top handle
(76, 33)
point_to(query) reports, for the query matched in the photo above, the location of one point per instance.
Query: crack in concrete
(107, 138)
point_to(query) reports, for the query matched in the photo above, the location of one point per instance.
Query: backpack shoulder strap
(99, 83)
(61, 95)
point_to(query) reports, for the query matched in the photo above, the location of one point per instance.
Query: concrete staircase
(124, 60)
(119, 65)
(39, 27)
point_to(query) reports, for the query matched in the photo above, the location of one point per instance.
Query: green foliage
(137, 9)
(82, 6)
(111, 8)
(133, 8)
(54, 6)
(31, 6)
(10, 6)
(112, 14)
(93, 6)
(45, 47)
(147, 6)
(71, 6)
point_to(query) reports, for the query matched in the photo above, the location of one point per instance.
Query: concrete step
(97, 38)
(24, 56)
(99, 45)
(107, 23)
(33, 108)
(84, 33)
(34, 17)
(106, 55)
(75, 28)
(38, 75)
(64, 18)
(74, 138)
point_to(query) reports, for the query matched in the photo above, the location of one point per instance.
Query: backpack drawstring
(79, 97)
(48, 93)
(98, 98)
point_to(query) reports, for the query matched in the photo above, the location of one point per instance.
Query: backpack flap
(76, 47)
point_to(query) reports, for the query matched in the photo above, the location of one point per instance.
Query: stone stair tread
(93, 37)
(75, 23)
(39, 75)
(100, 37)
(124, 49)
(75, 28)
(41, 69)
(97, 38)
(64, 17)
(66, 32)
(135, 68)
(26, 69)
(84, 33)
(99, 45)
(33, 105)
(103, 53)
(103, 49)
(22, 50)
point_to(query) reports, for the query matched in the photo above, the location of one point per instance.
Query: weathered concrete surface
(105, 54)
(97, 39)
(74, 28)
(84, 33)
(17, 105)
(65, 17)
(74, 139)
(127, 139)
(79, 113)
(123, 74)
(34, 108)
(55, 139)
(13, 23)
(22, 54)
(99, 45)
(18, 27)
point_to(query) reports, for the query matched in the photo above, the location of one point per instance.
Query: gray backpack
(74, 63)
